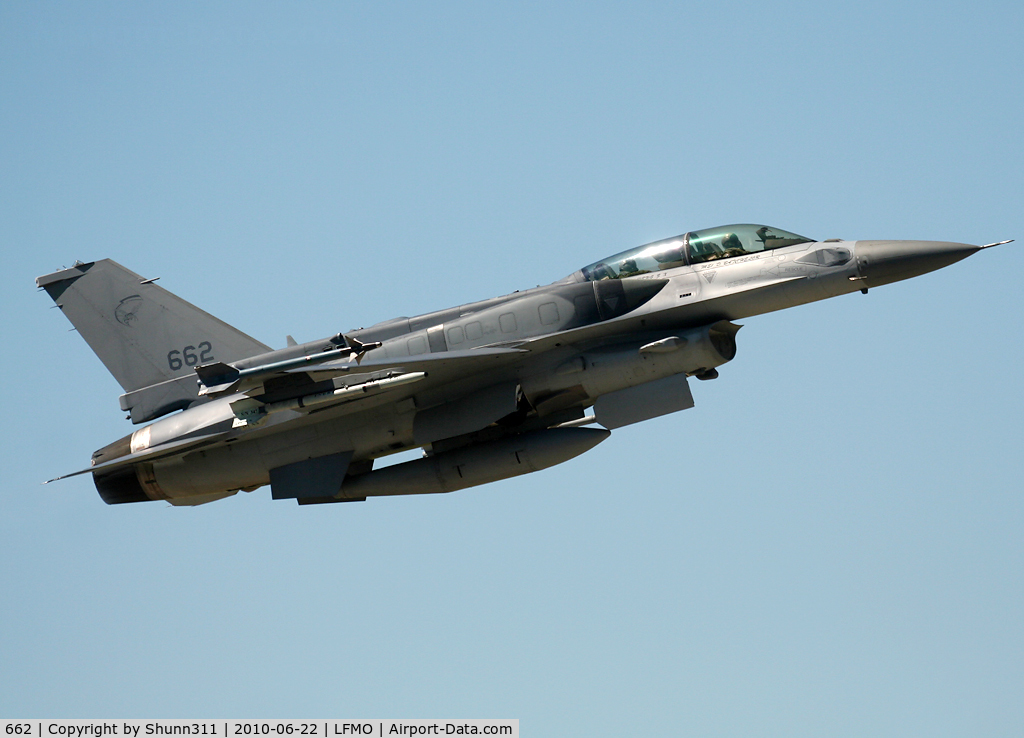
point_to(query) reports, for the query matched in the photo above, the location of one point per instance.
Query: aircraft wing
(438, 366)
(350, 381)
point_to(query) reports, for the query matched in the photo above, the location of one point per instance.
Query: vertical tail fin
(142, 333)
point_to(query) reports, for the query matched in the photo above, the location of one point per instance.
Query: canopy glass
(723, 242)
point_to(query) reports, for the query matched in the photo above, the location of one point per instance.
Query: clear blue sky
(829, 543)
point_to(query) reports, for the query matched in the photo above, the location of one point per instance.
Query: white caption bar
(36, 728)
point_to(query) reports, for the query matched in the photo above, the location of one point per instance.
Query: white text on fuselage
(734, 260)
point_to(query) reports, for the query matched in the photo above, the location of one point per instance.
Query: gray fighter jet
(488, 390)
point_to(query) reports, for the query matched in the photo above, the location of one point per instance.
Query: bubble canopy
(722, 242)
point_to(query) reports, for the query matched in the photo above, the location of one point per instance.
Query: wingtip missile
(220, 379)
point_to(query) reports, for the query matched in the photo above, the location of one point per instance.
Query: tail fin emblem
(126, 310)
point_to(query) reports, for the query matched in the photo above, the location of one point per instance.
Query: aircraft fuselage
(489, 389)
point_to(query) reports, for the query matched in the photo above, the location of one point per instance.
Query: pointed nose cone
(882, 262)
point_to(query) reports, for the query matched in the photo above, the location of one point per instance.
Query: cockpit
(695, 247)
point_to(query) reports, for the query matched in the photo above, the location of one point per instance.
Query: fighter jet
(488, 390)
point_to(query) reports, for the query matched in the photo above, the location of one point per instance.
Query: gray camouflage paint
(489, 389)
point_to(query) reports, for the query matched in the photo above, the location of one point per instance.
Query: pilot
(601, 271)
(732, 246)
(698, 251)
(670, 258)
(628, 268)
(701, 251)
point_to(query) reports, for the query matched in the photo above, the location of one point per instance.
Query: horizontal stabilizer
(155, 400)
(163, 451)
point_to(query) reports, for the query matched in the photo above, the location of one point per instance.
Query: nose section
(882, 262)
